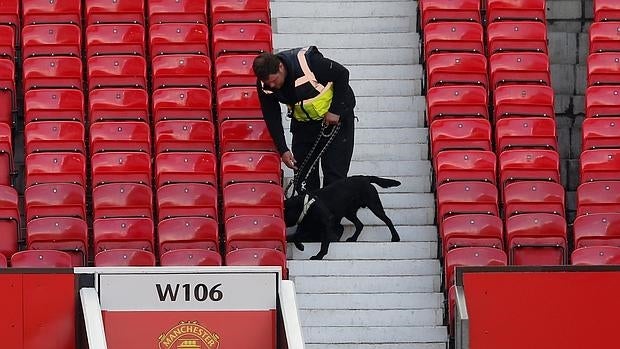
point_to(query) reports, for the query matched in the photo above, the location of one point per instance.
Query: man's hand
(331, 119)
(289, 160)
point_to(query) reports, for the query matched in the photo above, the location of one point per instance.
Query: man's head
(270, 70)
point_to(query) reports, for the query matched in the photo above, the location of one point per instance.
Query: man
(316, 91)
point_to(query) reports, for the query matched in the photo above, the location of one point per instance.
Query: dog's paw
(299, 246)
(316, 258)
(351, 239)
(396, 239)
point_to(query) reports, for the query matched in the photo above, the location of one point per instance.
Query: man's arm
(327, 70)
(272, 114)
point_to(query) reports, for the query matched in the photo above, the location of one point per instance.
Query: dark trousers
(335, 161)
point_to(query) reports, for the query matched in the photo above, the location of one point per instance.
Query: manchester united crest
(189, 335)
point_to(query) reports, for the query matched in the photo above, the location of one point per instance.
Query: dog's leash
(331, 135)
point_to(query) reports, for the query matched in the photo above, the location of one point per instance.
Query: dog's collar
(308, 201)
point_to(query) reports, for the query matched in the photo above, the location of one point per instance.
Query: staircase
(373, 293)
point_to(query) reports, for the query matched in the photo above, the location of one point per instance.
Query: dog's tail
(383, 182)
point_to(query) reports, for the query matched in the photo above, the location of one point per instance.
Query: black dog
(326, 207)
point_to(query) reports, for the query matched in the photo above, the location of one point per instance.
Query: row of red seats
(596, 225)
(127, 135)
(493, 162)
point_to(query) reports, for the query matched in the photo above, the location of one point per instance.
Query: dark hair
(265, 64)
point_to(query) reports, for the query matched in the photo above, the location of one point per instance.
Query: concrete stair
(372, 293)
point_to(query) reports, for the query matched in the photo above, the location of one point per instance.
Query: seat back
(41, 259)
(124, 258)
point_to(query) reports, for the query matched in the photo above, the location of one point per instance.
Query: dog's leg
(326, 232)
(377, 208)
(299, 245)
(358, 226)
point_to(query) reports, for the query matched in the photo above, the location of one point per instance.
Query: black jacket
(325, 70)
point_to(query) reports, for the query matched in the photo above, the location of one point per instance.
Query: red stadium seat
(181, 70)
(124, 104)
(179, 38)
(120, 136)
(536, 239)
(115, 11)
(223, 11)
(115, 39)
(471, 230)
(523, 100)
(600, 133)
(6, 155)
(55, 200)
(47, 136)
(602, 101)
(184, 135)
(7, 41)
(51, 40)
(604, 36)
(600, 165)
(441, 37)
(240, 102)
(235, 38)
(185, 167)
(122, 200)
(121, 167)
(250, 166)
(258, 257)
(41, 259)
(57, 167)
(253, 199)
(187, 199)
(598, 197)
(171, 11)
(188, 233)
(9, 220)
(452, 134)
(255, 231)
(465, 165)
(7, 91)
(236, 135)
(45, 11)
(529, 164)
(52, 72)
(597, 229)
(525, 132)
(472, 256)
(457, 102)
(234, 70)
(466, 198)
(440, 11)
(513, 36)
(9, 14)
(54, 104)
(530, 10)
(182, 104)
(468, 256)
(598, 255)
(124, 258)
(533, 196)
(116, 71)
(134, 232)
(67, 234)
(604, 68)
(190, 257)
(3, 261)
(457, 69)
(519, 68)
(606, 10)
